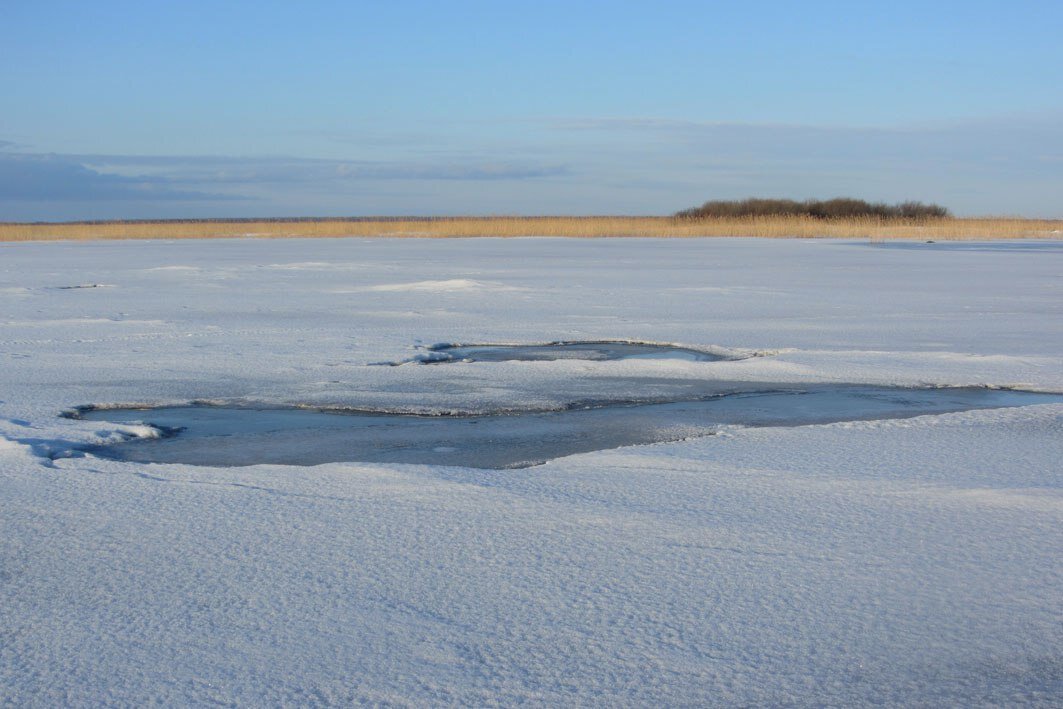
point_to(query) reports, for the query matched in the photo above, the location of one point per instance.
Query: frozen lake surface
(839, 555)
(228, 436)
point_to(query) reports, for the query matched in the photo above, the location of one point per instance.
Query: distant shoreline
(972, 229)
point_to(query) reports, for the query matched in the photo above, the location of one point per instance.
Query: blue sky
(195, 109)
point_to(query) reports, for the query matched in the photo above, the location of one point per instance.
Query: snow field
(890, 562)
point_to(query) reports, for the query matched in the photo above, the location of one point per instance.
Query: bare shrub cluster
(837, 208)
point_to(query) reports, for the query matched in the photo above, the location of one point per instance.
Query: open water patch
(1027, 246)
(238, 436)
(592, 350)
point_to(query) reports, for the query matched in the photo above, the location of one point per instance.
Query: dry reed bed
(586, 227)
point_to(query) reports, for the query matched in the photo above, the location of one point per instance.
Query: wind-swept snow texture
(896, 562)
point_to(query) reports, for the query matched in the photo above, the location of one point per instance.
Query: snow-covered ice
(912, 561)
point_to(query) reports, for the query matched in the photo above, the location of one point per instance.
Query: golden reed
(575, 227)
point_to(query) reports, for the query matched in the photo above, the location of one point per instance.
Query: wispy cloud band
(641, 165)
(58, 177)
